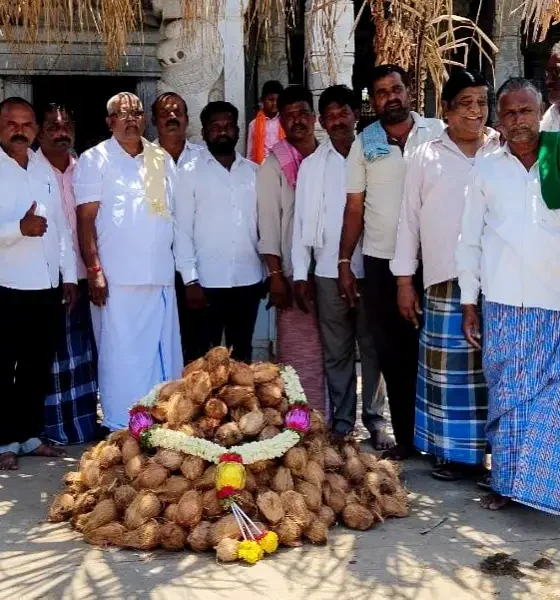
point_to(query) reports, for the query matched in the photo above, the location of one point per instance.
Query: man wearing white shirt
(451, 398)
(319, 208)
(35, 251)
(171, 118)
(375, 172)
(125, 189)
(509, 248)
(551, 118)
(216, 235)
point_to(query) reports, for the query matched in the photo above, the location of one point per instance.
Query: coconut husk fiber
(127, 497)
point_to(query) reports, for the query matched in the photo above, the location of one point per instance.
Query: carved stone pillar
(507, 36)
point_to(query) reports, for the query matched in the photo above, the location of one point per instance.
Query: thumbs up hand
(32, 225)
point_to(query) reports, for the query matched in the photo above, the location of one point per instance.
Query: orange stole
(260, 137)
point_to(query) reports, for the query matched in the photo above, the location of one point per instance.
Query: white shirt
(510, 239)
(189, 151)
(135, 245)
(551, 119)
(382, 180)
(334, 201)
(434, 199)
(216, 223)
(32, 263)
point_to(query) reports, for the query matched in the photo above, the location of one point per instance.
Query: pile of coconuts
(125, 497)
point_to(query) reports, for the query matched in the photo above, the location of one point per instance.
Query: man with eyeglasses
(125, 194)
(551, 118)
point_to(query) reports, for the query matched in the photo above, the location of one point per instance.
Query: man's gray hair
(115, 100)
(515, 84)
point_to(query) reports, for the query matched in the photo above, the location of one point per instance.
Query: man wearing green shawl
(509, 249)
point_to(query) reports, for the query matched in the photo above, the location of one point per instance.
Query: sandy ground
(398, 560)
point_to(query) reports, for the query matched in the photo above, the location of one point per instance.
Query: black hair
(52, 107)
(514, 84)
(271, 87)
(15, 101)
(382, 71)
(214, 108)
(168, 95)
(338, 94)
(460, 79)
(293, 94)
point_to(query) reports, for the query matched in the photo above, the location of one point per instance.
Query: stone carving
(192, 60)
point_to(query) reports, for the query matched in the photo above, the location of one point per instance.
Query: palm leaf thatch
(539, 15)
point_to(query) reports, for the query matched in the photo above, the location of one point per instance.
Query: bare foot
(8, 462)
(380, 440)
(494, 501)
(44, 450)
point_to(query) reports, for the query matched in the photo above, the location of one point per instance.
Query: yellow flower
(269, 542)
(250, 551)
(230, 474)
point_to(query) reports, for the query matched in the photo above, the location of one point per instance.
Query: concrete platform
(395, 561)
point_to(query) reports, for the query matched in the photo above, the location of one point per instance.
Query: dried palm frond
(538, 16)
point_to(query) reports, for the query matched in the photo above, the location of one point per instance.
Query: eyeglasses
(122, 115)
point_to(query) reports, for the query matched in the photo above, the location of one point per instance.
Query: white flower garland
(251, 452)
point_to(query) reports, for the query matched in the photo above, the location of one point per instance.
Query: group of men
(394, 241)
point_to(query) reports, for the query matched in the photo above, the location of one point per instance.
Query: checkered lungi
(71, 403)
(522, 367)
(451, 394)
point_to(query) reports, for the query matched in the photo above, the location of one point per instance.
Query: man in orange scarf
(265, 129)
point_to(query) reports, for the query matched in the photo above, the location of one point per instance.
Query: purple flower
(139, 422)
(298, 419)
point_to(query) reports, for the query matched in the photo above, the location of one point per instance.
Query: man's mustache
(19, 138)
(64, 139)
(394, 105)
(173, 122)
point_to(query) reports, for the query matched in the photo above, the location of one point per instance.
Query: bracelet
(344, 260)
(279, 272)
(95, 269)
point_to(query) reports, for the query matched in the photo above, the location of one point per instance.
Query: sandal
(448, 471)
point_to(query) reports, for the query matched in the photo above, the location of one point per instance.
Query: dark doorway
(86, 97)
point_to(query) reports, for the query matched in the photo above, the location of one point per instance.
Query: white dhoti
(138, 343)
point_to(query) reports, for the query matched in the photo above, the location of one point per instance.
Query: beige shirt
(275, 202)
(382, 180)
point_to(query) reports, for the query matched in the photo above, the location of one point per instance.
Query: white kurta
(137, 331)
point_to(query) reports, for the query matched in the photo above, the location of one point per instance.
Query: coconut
(311, 494)
(273, 417)
(193, 467)
(338, 482)
(80, 521)
(61, 508)
(159, 411)
(228, 435)
(318, 423)
(109, 456)
(237, 413)
(217, 356)
(235, 395)
(208, 479)
(241, 374)
(84, 503)
(394, 505)
(264, 480)
(211, 505)
(356, 516)
(170, 512)
(207, 427)
(199, 537)
(326, 514)
(188, 429)
(119, 437)
(270, 505)
(180, 409)
(282, 481)
(349, 450)
(170, 459)
(110, 534)
(123, 496)
(196, 365)
(72, 478)
(268, 433)
(332, 459)
(252, 423)
(247, 503)
(145, 506)
(219, 376)
(226, 550)
(250, 481)
(283, 407)
(314, 474)
(215, 409)
(296, 460)
(189, 511)
(173, 536)
(134, 466)
(226, 527)
(110, 477)
(262, 465)
(169, 389)
(91, 473)
(391, 468)
(152, 477)
(334, 498)
(295, 508)
(97, 450)
(252, 403)
(174, 488)
(197, 386)
(130, 449)
(103, 513)
(315, 451)
(317, 532)
(354, 469)
(269, 394)
(146, 537)
(264, 372)
(289, 532)
(368, 460)
(378, 482)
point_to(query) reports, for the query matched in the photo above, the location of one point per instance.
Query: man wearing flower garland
(125, 192)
